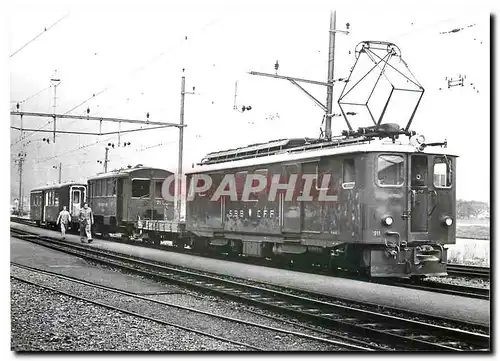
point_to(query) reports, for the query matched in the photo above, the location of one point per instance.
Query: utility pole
(328, 107)
(20, 160)
(59, 167)
(235, 107)
(55, 82)
(181, 145)
(106, 160)
(329, 89)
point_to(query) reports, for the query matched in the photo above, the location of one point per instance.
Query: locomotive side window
(239, 180)
(390, 170)
(442, 172)
(348, 174)
(140, 188)
(158, 185)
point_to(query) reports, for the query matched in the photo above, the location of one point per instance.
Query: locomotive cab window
(442, 172)
(140, 188)
(390, 170)
(348, 174)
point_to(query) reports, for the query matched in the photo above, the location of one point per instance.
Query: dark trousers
(85, 230)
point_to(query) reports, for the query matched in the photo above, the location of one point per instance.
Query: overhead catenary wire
(133, 71)
(142, 67)
(36, 37)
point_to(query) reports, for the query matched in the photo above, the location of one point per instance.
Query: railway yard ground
(71, 302)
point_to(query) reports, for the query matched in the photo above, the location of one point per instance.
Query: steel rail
(122, 310)
(398, 331)
(424, 285)
(351, 346)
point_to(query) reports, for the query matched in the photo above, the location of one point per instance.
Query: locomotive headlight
(448, 221)
(388, 220)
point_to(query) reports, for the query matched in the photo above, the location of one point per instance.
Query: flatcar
(389, 209)
(46, 202)
(121, 197)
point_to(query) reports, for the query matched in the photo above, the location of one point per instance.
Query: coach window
(109, 187)
(98, 188)
(140, 188)
(102, 187)
(158, 185)
(390, 170)
(56, 199)
(348, 174)
(113, 187)
(442, 172)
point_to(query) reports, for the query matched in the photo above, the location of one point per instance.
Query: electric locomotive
(388, 208)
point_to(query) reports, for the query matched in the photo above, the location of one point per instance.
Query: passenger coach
(46, 202)
(119, 198)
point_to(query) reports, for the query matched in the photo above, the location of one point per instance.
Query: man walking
(86, 218)
(64, 217)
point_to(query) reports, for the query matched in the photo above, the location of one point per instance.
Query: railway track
(444, 288)
(424, 285)
(468, 271)
(366, 323)
(328, 337)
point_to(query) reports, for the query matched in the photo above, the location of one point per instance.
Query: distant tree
(471, 209)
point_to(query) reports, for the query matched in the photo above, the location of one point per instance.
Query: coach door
(76, 201)
(44, 206)
(419, 195)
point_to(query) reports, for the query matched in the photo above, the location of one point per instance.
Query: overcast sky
(132, 58)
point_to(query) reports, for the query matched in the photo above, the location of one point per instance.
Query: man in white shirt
(65, 218)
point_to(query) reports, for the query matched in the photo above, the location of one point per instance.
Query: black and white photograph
(249, 176)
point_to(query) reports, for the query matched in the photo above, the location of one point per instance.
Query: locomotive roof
(57, 186)
(125, 172)
(318, 150)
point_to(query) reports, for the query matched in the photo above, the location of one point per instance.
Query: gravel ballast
(266, 339)
(43, 320)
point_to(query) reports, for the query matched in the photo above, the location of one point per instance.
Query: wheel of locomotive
(235, 248)
(200, 244)
(154, 238)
